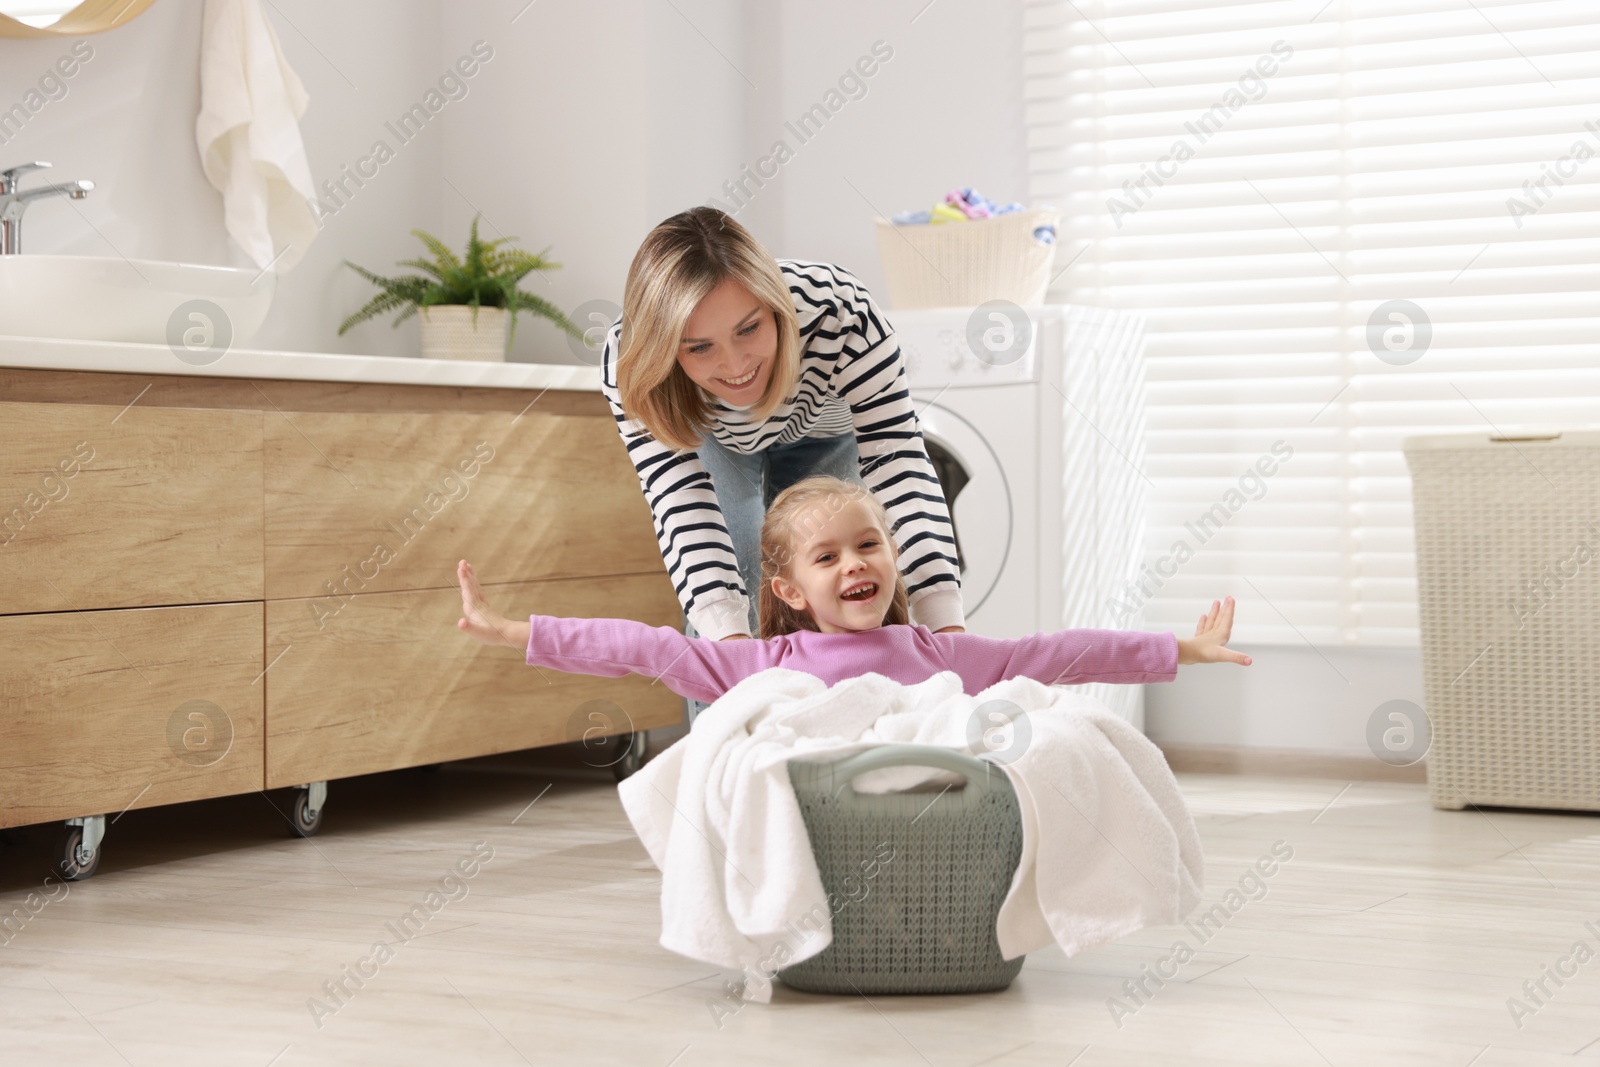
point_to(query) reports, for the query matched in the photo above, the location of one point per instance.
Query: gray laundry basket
(919, 876)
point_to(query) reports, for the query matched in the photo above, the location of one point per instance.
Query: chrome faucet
(13, 204)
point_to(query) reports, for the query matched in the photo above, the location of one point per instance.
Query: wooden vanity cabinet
(216, 585)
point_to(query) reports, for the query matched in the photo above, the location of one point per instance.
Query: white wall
(1289, 698)
(354, 91)
(943, 111)
(606, 118)
(595, 122)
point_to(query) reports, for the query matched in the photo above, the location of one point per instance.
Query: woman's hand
(1209, 643)
(483, 623)
(735, 637)
(952, 630)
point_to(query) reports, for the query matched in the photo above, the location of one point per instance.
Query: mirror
(65, 18)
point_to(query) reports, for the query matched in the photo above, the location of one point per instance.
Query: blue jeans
(746, 486)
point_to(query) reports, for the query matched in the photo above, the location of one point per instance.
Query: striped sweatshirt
(852, 380)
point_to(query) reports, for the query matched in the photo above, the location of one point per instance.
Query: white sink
(144, 301)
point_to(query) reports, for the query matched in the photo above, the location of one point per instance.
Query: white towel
(1108, 842)
(249, 136)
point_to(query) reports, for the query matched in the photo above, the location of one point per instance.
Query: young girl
(833, 604)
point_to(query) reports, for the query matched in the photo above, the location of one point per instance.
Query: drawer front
(365, 502)
(103, 711)
(390, 682)
(102, 507)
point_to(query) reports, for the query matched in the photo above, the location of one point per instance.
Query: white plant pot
(448, 332)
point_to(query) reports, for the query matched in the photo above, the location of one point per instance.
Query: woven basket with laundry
(968, 263)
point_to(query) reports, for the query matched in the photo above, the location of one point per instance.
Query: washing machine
(1034, 420)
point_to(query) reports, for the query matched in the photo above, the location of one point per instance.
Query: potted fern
(468, 305)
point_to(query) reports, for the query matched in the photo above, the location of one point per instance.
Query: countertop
(49, 354)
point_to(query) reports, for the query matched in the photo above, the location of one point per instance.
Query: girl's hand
(483, 623)
(1209, 643)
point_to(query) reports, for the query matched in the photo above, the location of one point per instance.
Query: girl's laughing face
(843, 572)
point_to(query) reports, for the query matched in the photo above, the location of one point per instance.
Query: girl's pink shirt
(702, 669)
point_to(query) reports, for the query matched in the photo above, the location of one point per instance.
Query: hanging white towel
(248, 134)
(1109, 845)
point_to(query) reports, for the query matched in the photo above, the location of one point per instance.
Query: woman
(732, 376)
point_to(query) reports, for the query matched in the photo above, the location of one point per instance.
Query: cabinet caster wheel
(78, 854)
(305, 812)
(634, 746)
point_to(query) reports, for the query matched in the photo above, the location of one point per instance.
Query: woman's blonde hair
(679, 262)
(797, 512)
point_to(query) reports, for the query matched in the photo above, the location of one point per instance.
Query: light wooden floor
(1395, 935)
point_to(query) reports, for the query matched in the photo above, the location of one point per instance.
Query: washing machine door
(979, 498)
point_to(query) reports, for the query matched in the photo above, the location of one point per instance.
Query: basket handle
(980, 774)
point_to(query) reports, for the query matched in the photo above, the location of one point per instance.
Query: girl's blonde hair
(797, 512)
(679, 262)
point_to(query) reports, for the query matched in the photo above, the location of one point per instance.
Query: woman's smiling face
(842, 573)
(729, 343)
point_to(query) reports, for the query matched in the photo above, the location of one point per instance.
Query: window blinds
(1345, 221)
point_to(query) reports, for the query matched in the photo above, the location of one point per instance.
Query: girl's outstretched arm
(1072, 657)
(694, 667)
(1064, 657)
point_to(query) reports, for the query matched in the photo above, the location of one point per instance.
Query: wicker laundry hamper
(1508, 585)
(923, 920)
(964, 264)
